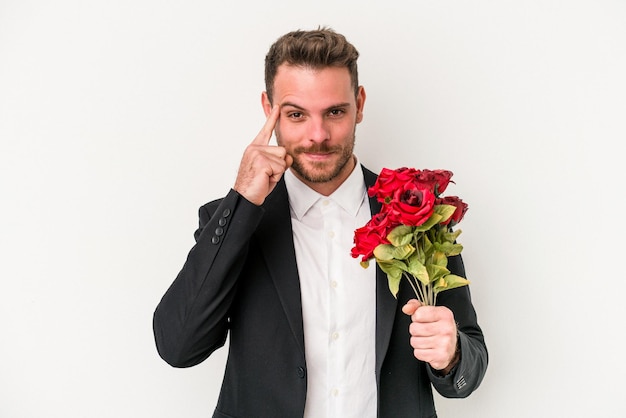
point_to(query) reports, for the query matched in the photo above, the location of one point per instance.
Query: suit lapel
(276, 242)
(386, 304)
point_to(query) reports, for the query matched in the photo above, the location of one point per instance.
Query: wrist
(456, 358)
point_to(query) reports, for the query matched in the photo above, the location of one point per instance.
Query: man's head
(312, 76)
(315, 49)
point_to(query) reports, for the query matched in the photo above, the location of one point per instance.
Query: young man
(312, 333)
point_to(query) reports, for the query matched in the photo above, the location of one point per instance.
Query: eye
(294, 115)
(336, 112)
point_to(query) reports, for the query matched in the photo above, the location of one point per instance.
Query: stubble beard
(319, 172)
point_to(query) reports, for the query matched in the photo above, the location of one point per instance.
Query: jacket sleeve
(467, 375)
(191, 320)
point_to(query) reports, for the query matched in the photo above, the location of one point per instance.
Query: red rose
(368, 237)
(435, 180)
(461, 208)
(389, 181)
(412, 205)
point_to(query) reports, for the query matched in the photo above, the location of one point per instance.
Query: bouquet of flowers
(412, 235)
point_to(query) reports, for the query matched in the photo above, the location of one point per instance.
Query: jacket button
(215, 240)
(219, 231)
(226, 213)
(221, 222)
(301, 372)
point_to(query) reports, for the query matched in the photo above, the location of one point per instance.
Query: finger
(411, 306)
(264, 136)
(423, 329)
(422, 343)
(276, 166)
(272, 151)
(433, 314)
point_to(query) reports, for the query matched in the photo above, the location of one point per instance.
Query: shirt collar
(349, 195)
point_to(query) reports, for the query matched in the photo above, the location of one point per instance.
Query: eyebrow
(335, 106)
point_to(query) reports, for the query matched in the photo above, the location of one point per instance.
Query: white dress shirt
(338, 298)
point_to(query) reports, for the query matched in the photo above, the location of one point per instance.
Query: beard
(320, 172)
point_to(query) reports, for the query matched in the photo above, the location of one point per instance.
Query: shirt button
(333, 284)
(325, 203)
(301, 372)
(335, 392)
(331, 234)
(335, 335)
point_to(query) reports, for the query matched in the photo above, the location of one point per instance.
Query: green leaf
(436, 272)
(439, 258)
(450, 281)
(445, 211)
(451, 236)
(418, 270)
(394, 285)
(393, 269)
(449, 248)
(386, 252)
(434, 219)
(439, 285)
(401, 235)
(456, 249)
(428, 245)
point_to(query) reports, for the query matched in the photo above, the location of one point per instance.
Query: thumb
(411, 306)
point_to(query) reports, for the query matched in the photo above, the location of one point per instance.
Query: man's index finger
(264, 136)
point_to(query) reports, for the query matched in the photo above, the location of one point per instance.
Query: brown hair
(314, 49)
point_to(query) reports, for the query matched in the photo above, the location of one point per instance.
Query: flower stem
(417, 290)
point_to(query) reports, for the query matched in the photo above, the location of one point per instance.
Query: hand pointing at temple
(262, 165)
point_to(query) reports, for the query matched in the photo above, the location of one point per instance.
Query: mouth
(318, 153)
(318, 156)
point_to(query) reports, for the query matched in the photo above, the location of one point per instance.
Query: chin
(318, 174)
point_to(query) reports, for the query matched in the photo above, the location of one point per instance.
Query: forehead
(309, 87)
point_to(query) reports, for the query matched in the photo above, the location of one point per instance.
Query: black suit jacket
(241, 277)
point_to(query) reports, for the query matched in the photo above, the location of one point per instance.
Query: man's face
(317, 123)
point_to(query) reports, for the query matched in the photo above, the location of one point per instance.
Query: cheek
(289, 134)
(280, 135)
(342, 130)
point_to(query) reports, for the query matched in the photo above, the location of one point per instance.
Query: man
(312, 333)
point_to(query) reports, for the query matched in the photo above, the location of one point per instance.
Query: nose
(318, 131)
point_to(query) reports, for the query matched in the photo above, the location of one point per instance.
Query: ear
(265, 102)
(360, 103)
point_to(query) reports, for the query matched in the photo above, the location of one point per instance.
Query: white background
(118, 119)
